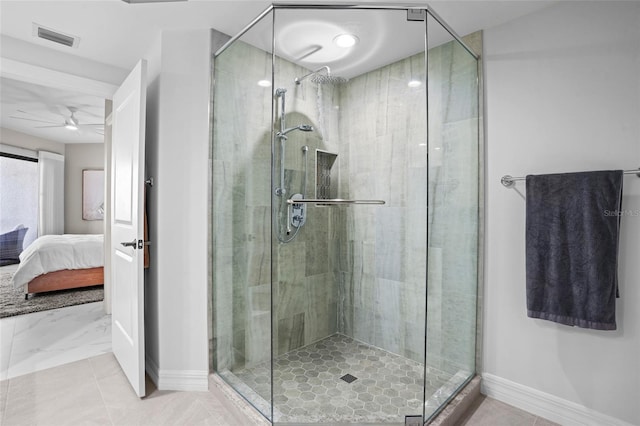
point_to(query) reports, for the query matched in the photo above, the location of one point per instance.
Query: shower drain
(349, 378)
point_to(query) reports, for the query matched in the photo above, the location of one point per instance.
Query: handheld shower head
(302, 128)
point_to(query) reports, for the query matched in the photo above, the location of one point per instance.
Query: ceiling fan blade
(34, 115)
(32, 119)
(45, 127)
(94, 124)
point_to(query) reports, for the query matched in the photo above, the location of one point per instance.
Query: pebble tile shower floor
(308, 387)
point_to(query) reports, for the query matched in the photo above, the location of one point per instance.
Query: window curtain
(51, 193)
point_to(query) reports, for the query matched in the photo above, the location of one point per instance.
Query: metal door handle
(133, 244)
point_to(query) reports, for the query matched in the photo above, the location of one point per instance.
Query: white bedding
(57, 252)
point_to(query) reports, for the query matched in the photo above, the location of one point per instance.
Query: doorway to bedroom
(55, 327)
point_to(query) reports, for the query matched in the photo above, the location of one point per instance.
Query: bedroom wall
(563, 95)
(21, 140)
(79, 157)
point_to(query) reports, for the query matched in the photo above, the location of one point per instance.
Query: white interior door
(126, 251)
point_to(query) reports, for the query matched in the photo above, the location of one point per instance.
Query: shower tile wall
(304, 291)
(381, 287)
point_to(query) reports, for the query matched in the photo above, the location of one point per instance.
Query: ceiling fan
(70, 122)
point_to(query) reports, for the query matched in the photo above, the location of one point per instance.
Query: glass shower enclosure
(345, 214)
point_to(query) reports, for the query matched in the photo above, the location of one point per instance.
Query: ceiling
(43, 111)
(117, 34)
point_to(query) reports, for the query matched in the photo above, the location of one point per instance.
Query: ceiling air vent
(55, 36)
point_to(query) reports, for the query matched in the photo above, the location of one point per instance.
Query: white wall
(78, 157)
(177, 157)
(563, 94)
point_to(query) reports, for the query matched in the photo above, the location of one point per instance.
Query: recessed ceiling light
(346, 40)
(414, 83)
(264, 83)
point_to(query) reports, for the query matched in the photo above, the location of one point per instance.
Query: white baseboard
(177, 380)
(545, 405)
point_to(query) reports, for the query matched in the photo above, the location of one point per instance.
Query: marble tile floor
(46, 339)
(308, 388)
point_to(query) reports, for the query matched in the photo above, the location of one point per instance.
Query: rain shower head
(318, 78)
(302, 128)
(327, 79)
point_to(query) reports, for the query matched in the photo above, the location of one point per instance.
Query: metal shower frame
(318, 5)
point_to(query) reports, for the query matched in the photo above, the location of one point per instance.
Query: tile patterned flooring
(96, 392)
(308, 387)
(489, 412)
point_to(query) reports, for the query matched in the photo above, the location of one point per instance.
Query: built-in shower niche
(326, 175)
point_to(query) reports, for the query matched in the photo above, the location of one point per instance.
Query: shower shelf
(334, 201)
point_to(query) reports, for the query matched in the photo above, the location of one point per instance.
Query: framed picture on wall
(92, 194)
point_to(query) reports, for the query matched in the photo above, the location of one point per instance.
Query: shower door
(349, 290)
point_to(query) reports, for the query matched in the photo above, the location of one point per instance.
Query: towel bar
(334, 201)
(508, 181)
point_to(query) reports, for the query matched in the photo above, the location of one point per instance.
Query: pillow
(11, 246)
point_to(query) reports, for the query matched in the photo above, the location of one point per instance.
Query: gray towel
(572, 232)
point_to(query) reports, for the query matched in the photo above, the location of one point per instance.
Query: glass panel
(241, 224)
(453, 216)
(349, 282)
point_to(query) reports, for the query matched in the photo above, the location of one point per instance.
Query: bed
(60, 262)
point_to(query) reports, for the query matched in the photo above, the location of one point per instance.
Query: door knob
(133, 243)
